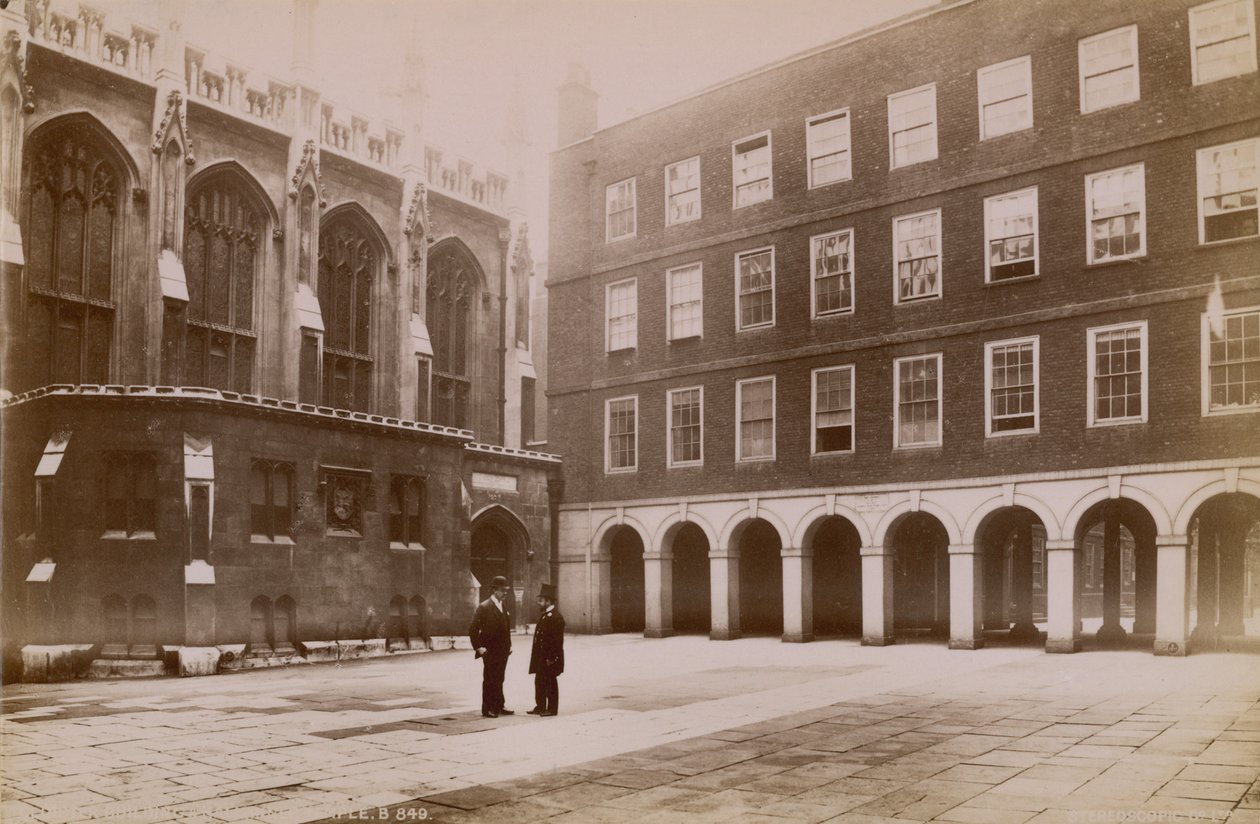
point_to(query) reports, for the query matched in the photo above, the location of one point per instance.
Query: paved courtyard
(680, 729)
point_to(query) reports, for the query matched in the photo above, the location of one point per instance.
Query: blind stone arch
(454, 286)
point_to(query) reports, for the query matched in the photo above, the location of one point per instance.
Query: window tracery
(221, 261)
(451, 290)
(348, 264)
(72, 211)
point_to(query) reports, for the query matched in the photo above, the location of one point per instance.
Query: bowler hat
(547, 591)
(498, 581)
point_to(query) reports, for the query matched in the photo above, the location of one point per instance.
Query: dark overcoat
(547, 656)
(491, 629)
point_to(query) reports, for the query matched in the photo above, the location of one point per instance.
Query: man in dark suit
(491, 636)
(546, 659)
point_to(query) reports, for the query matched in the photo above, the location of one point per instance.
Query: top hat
(498, 581)
(547, 591)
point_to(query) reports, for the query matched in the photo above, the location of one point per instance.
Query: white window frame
(813, 410)
(1199, 177)
(940, 401)
(809, 152)
(813, 275)
(634, 210)
(989, 348)
(1194, 45)
(1089, 214)
(1206, 358)
(608, 467)
(1091, 336)
(739, 315)
(774, 419)
(769, 169)
(608, 317)
(892, 154)
(984, 73)
(940, 256)
(670, 463)
(988, 238)
(1137, 71)
(699, 198)
(669, 301)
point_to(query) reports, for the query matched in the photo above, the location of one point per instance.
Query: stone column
(1022, 584)
(966, 597)
(798, 594)
(1111, 632)
(994, 582)
(877, 596)
(1172, 617)
(1063, 597)
(1145, 576)
(658, 594)
(1231, 553)
(724, 594)
(1204, 635)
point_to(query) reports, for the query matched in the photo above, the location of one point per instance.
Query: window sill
(343, 533)
(893, 168)
(618, 239)
(1230, 411)
(839, 453)
(842, 313)
(688, 465)
(687, 339)
(914, 301)
(1112, 424)
(620, 350)
(1212, 244)
(627, 471)
(411, 547)
(737, 206)
(1005, 281)
(1016, 433)
(918, 447)
(1103, 264)
(695, 219)
(754, 328)
(986, 138)
(119, 535)
(263, 540)
(815, 186)
(766, 460)
(1122, 104)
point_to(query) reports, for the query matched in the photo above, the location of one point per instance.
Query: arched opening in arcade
(760, 579)
(1012, 541)
(1115, 546)
(837, 587)
(626, 572)
(498, 547)
(920, 576)
(1225, 574)
(692, 606)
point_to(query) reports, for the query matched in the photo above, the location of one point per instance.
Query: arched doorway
(920, 576)
(1115, 542)
(628, 593)
(760, 579)
(837, 592)
(692, 610)
(1225, 573)
(1013, 543)
(500, 544)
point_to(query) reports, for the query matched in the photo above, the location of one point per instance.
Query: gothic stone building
(263, 361)
(884, 337)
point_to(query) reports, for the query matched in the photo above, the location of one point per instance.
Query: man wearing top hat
(546, 659)
(491, 636)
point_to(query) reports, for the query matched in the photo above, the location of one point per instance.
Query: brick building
(263, 361)
(850, 333)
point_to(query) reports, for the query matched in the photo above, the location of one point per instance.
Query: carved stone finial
(14, 58)
(175, 112)
(309, 160)
(419, 210)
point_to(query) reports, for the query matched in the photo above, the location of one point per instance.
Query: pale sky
(481, 54)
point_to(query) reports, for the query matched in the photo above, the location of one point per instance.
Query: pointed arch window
(452, 284)
(71, 234)
(221, 262)
(348, 262)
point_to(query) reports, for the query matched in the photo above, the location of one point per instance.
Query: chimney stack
(579, 104)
